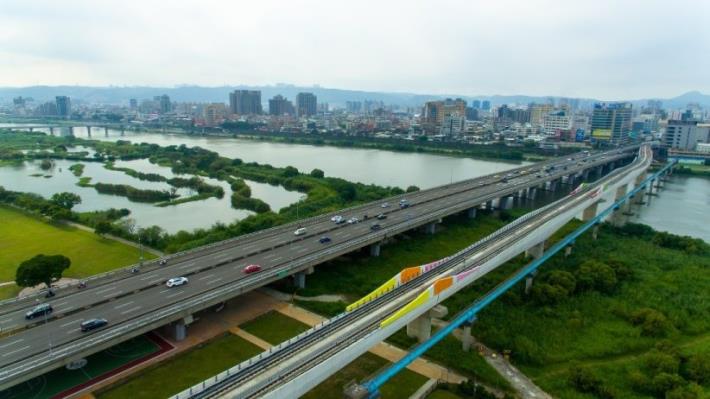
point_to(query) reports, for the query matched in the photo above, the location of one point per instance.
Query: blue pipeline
(469, 314)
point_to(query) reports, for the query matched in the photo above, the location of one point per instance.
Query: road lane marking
(5, 321)
(70, 323)
(60, 303)
(174, 295)
(146, 277)
(15, 351)
(278, 259)
(12, 343)
(302, 250)
(131, 310)
(269, 256)
(185, 266)
(105, 290)
(206, 277)
(123, 305)
(213, 281)
(113, 294)
(166, 290)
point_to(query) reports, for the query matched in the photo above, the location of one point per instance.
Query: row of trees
(135, 194)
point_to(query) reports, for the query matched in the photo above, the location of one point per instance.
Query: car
(481, 184)
(93, 324)
(381, 216)
(385, 205)
(404, 205)
(353, 220)
(538, 176)
(39, 310)
(336, 218)
(569, 159)
(340, 221)
(403, 200)
(163, 262)
(300, 231)
(375, 227)
(324, 240)
(176, 281)
(252, 269)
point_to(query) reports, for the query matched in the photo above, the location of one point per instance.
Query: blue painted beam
(375, 383)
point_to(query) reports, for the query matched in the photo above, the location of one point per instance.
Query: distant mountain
(121, 95)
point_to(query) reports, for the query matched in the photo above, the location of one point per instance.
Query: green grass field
(442, 394)
(23, 236)
(184, 370)
(274, 328)
(9, 291)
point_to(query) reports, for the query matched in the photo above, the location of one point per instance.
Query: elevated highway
(140, 302)
(295, 366)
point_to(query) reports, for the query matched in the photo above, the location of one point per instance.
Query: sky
(605, 49)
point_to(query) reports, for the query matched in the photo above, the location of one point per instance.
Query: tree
(698, 368)
(41, 269)
(102, 227)
(46, 164)
(290, 171)
(595, 275)
(317, 173)
(412, 189)
(66, 200)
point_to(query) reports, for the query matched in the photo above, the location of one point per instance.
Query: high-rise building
(214, 114)
(63, 106)
(245, 102)
(686, 135)
(280, 106)
(46, 109)
(611, 122)
(435, 111)
(538, 112)
(353, 106)
(306, 104)
(556, 122)
(133, 104)
(486, 105)
(165, 105)
(476, 104)
(472, 113)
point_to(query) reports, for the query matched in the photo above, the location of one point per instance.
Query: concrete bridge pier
(430, 228)
(88, 130)
(420, 327)
(299, 280)
(32, 129)
(618, 218)
(489, 205)
(536, 250)
(505, 202)
(71, 130)
(471, 213)
(178, 329)
(600, 170)
(595, 232)
(590, 212)
(529, 281)
(585, 174)
(466, 337)
(375, 249)
(532, 192)
(51, 131)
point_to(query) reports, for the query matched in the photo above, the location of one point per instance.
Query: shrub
(698, 368)
(652, 322)
(584, 380)
(661, 383)
(595, 275)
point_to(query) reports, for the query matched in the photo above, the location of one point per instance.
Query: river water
(682, 208)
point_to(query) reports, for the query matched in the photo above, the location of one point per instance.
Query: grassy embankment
(23, 236)
(184, 370)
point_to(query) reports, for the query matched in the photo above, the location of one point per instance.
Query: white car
(300, 231)
(176, 281)
(385, 205)
(335, 218)
(353, 220)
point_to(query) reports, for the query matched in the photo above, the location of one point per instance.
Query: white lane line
(186, 265)
(58, 304)
(133, 309)
(15, 351)
(174, 295)
(222, 256)
(146, 277)
(105, 290)
(213, 281)
(302, 250)
(206, 277)
(67, 309)
(5, 321)
(113, 294)
(250, 246)
(278, 259)
(123, 305)
(166, 290)
(269, 256)
(70, 323)
(17, 341)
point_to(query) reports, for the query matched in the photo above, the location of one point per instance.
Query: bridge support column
(375, 249)
(618, 218)
(585, 174)
(568, 250)
(420, 327)
(466, 337)
(595, 232)
(51, 131)
(590, 212)
(536, 251)
(32, 129)
(299, 280)
(505, 202)
(88, 130)
(600, 171)
(430, 228)
(529, 281)
(471, 213)
(310, 270)
(489, 205)
(178, 329)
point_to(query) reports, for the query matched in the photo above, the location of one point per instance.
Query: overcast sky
(607, 49)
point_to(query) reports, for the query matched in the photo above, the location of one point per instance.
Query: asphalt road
(130, 296)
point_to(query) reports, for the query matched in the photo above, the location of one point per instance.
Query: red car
(252, 269)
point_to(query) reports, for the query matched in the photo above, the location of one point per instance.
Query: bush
(595, 275)
(584, 380)
(652, 322)
(658, 362)
(317, 173)
(698, 368)
(663, 382)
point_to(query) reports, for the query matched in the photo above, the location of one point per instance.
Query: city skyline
(611, 51)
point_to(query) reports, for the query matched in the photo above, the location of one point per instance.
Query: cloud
(607, 49)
